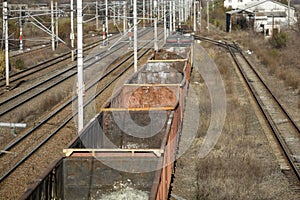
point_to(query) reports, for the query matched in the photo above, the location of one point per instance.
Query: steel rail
(265, 113)
(219, 43)
(236, 47)
(74, 114)
(269, 90)
(116, 48)
(46, 45)
(34, 68)
(40, 67)
(46, 88)
(7, 148)
(57, 59)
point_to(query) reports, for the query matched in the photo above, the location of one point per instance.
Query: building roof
(253, 4)
(239, 11)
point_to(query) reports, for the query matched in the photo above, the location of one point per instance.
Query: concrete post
(97, 16)
(5, 28)
(80, 64)
(135, 34)
(155, 26)
(52, 27)
(72, 35)
(56, 23)
(124, 15)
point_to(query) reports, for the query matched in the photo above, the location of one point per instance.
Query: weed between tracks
(35, 109)
(241, 164)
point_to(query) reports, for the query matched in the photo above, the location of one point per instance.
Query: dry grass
(33, 111)
(239, 167)
(241, 164)
(282, 63)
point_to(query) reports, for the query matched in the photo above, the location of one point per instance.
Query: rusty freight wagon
(127, 150)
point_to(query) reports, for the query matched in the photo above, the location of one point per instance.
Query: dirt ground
(241, 164)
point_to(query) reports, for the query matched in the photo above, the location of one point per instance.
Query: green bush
(274, 53)
(279, 40)
(19, 64)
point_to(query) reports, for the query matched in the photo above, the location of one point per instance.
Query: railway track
(19, 99)
(46, 66)
(25, 96)
(148, 150)
(68, 103)
(28, 94)
(58, 121)
(282, 125)
(42, 46)
(65, 115)
(284, 128)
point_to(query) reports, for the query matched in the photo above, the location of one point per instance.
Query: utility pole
(157, 9)
(184, 7)
(165, 21)
(114, 12)
(144, 13)
(150, 11)
(124, 17)
(195, 16)
(52, 27)
(21, 29)
(106, 22)
(180, 10)
(174, 16)
(135, 34)
(56, 23)
(200, 13)
(119, 12)
(80, 64)
(207, 7)
(97, 15)
(272, 25)
(72, 35)
(170, 17)
(155, 25)
(103, 35)
(289, 7)
(5, 28)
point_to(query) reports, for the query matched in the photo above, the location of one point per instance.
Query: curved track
(281, 123)
(283, 126)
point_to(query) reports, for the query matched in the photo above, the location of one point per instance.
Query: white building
(265, 15)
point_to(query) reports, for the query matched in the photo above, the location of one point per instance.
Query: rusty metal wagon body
(131, 144)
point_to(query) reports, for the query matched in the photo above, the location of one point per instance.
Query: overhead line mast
(135, 34)
(72, 35)
(80, 64)
(5, 28)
